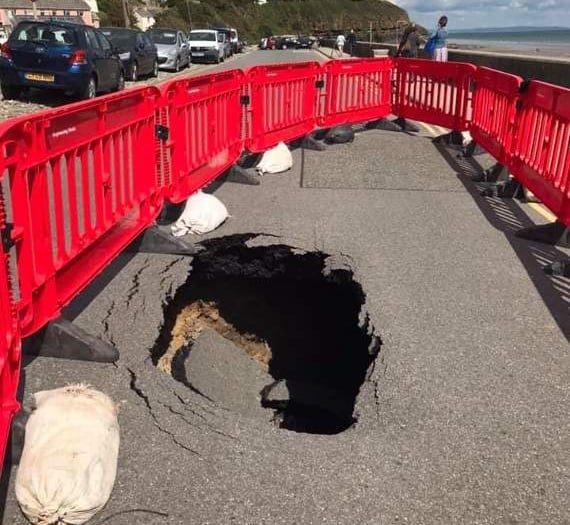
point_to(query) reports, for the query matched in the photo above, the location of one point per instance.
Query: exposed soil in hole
(300, 319)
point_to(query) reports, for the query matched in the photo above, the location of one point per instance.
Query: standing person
(339, 44)
(409, 43)
(440, 35)
(351, 40)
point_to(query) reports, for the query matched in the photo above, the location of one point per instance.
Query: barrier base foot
(157, 240)
(508, 189)
(554, 233)
(492, 174)
(61, 338)
(17, 435)
(453, 138)
(558, 268)
(170, 213)
(312, 143)
(406, 125)
(383, 124)
(473, 149)
(240, 175)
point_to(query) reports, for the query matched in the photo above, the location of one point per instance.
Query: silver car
(173, 48)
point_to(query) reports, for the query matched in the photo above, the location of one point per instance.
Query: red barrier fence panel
(434, 92)
(203, 117)
(494, 111)
(82, 185)
(283, 103)
(356, 91)
(540, 155)
(10, 348)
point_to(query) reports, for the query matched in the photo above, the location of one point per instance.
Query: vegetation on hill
(283, 16)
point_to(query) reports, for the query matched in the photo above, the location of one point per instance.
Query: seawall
(548, 69)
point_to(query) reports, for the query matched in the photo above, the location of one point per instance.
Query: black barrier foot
(17, 435)
(453, 138)
(312, 143)
(170, 213)
(383, 124)
(493, 174)
(558, 268)
(61, 338)
(508, 189)
(406, 125)
(554, 233)
(157, 240)
(248, 160)
(240, 175)
(473, 149)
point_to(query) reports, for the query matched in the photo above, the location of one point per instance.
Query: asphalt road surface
(463, 416)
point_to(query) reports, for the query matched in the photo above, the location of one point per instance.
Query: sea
(543, 41)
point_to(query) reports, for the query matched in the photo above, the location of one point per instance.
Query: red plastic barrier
(283, 103)
(435, 92)
(82, 186)
(10, 349)
(204, 120)
(540, 155)
(494, 111)
(356, 91)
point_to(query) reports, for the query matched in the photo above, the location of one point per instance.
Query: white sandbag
(69, 460)
(466, 138)
(275, 160)
(202, 214)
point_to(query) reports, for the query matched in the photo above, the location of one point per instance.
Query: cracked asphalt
(464, 415)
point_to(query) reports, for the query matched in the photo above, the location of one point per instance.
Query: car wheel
(121, 81)
(155, 69)
(134, 72)
(90, 90)
(11, 92)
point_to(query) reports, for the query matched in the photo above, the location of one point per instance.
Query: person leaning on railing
(409, 43)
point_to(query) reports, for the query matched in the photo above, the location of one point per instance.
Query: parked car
(227, 38)
(136, 51)
(237, 46)
(59, 55)
(173, 48)
(307, 42)
(287, 42)
(205, 46)
(267, 43)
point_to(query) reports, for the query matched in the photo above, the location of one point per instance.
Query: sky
(464, 14)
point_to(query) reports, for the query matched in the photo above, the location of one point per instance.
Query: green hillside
(282, 16)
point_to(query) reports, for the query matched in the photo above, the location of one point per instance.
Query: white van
(206, 46)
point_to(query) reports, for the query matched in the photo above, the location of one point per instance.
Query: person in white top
(339, 44)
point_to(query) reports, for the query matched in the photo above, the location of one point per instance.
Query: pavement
(463, 416)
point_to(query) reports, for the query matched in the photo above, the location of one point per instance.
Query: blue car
(61, 56)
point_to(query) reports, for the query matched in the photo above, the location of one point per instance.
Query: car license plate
(40, 77)
(197, 54)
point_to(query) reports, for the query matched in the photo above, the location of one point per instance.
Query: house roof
(65, 5)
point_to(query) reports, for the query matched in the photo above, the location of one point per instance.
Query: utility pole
(35, 9)
(189, 14)
(126, 13)
(370, 32)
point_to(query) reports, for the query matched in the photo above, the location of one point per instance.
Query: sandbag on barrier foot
(275, 160)
(69, 461)
(340, 135)
(202, 214)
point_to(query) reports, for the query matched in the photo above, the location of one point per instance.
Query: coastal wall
(548, 69)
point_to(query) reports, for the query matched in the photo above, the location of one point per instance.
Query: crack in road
(138, 391)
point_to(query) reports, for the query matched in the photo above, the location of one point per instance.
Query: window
(103, 42)
(66, 13)
(54, 13)
(92, 39)
(42, 13)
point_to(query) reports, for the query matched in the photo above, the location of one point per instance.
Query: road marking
(542, 210)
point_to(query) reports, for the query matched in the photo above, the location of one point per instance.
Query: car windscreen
(205, 36)
(233, 34)
(120, 38)
(163, 37)
(49, 35)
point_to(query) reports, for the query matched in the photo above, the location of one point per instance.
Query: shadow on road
(506, 216)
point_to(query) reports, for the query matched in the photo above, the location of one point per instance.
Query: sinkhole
(299, 315)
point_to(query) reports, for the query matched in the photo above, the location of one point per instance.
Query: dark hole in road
(301, 318)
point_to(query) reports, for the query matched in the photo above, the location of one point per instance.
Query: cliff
(283, 16)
